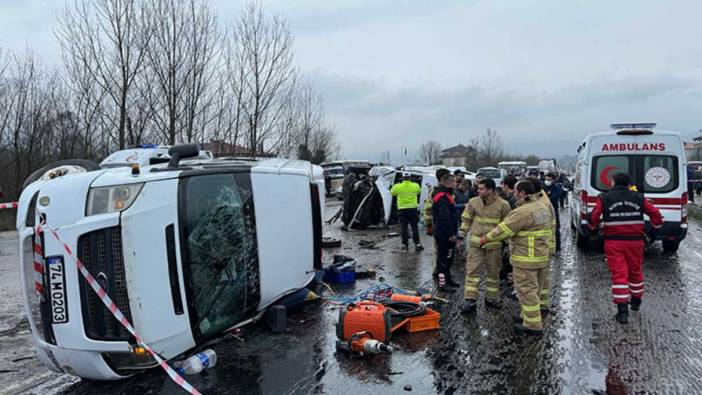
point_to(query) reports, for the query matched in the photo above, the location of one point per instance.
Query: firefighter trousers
(479, 260)
(625, 258)
(529, 283)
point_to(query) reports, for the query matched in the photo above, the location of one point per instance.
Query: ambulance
(655, 159)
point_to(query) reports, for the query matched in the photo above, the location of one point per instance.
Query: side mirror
(182, 151)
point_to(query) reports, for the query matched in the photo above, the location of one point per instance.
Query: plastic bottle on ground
(197, 363)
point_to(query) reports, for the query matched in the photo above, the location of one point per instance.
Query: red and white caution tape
(112, 307)
(8, 205)
(38, 264)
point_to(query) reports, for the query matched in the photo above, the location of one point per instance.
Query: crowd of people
(508, 234)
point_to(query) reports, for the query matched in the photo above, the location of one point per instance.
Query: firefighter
(507, 193)
(428, 222)
(529, 227)
(481, 214)
(445, 227)
(544, 293)
(407, 193)
(623, 232)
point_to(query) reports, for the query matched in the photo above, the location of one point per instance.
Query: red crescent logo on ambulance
(604, 175)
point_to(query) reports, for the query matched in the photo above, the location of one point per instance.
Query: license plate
(57, 290)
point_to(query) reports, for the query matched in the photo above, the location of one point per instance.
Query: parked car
(493, 172)
(187, 250)
(333, 179)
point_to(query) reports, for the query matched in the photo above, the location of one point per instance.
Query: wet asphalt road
(583, 349)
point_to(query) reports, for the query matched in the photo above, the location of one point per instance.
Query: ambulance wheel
(581, 240)
(331, 242)
(671, 245)
(83, 164)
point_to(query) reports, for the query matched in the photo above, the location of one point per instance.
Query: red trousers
(625, 258)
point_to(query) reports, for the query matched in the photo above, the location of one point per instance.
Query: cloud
(374, 118)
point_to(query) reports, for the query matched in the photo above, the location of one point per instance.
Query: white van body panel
(275, 200)
(145, 262)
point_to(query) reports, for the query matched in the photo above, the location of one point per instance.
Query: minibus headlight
(111, 199)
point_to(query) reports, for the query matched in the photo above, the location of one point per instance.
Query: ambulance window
(660, 173)
(604, 167)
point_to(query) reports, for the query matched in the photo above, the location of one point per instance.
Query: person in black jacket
(445, 225)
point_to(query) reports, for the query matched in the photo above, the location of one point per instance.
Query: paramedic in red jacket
(623, 232)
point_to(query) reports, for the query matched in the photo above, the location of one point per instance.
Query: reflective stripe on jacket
(481, 216)
(623, 214)
(426, 211)
(529, 227)
(407, 193)
(546, 202)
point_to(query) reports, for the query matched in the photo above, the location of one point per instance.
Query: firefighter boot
(523, 330)
(469, 306)
(635, 304)
(622, 313)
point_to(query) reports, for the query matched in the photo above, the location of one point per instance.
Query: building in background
(455, 156)
(693, 150)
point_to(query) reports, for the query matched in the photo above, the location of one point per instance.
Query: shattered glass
(221, 249)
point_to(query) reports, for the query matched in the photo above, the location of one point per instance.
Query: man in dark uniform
(445, 227)
(623, 223)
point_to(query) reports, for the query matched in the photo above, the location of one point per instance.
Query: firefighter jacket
(529, 227)
(481, 216)
(622, 213)
(407, 193)
(445, 218)
(426, 211)
(546, 202)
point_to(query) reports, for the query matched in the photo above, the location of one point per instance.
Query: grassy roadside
(7, 219)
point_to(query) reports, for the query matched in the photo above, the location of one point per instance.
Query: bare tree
(429, 152)
(183, 50)
(488, 147)
(29, 125)
(109, 38)
(264, 52)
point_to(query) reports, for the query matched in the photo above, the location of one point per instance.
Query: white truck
(186, 248)
(655, 160)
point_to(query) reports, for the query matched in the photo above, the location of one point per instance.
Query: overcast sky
(543, 73)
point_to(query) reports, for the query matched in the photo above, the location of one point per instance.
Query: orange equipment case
(367, 316)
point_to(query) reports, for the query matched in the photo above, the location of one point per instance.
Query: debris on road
(367, 244)
(330, 242)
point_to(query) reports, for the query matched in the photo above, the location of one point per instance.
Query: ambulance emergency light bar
(648, 125)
